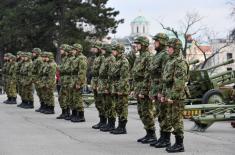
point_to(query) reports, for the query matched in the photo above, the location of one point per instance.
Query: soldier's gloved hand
(119, 93)
(159, 96)
(170, 101)
(77, 86)
(141, 96)
(162, 99)
(132, 94)
(106, 91)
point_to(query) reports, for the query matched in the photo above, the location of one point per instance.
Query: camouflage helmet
(175, 43)
(50, 55)
(68, 48)
(27, 54)
(19, 53)
(37, 50)
(97, 44)
(144, 41)
(162, 38)
(11, 56)
(78, 47)
(63, 46)
(119, 47)
(107, 48)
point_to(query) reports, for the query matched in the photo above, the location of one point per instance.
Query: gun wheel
(212, 97)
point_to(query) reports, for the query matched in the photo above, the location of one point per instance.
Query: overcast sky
(215, 13)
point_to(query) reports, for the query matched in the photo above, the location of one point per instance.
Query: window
(137, 29)
(229, 56)
(229, 69)
(143, 29)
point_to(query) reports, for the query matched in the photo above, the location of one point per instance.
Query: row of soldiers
(156, 81)
(27, 70)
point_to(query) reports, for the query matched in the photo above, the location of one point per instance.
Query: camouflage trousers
(19, 88)
(48, 96)
(171, 116)
(63, 97)
(11, 90)
(77, 100)
(146, 113)
(27, 92)
(121, 106)
(109, 105)
(99, 103)
(39, 92)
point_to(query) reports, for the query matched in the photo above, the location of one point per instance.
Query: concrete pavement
(25, 132)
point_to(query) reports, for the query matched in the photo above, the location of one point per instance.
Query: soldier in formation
(158, 82)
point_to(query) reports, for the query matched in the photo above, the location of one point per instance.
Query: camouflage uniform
(5, 72)
(94, 83)
(121, 88)
(27, 82)
(64, 90)
(175, 76)
(18, 77)
(37, 65)
(47, 82)
(141, 88)
(79, 70)
(104, 90)
(68, 81)
(12, 80)
(156, 69)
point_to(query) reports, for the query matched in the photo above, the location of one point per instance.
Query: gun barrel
(230, 61)
(193, 62)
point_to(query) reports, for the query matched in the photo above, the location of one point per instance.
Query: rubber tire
(209, 93)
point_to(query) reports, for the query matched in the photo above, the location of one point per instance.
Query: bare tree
(188, 30)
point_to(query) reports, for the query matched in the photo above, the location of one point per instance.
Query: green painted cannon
(205, 89)
(214, 113)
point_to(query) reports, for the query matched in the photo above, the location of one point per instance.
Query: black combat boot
(165, 142)
(151, 137)
(6, 101)
(62, 115)
(110, 126)
(13, 100)
(102, 122)
(74, 114)
(25, 104)
(121, 129)
(67, 113)
(159, 140)
(177, 147)
(50, 110)
(81, 117)
(44, 108)
(42, 105)
(140, 139)
(29, 105)
(22, 104)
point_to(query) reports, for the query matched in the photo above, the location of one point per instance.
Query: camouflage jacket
(12, 72)
(95, 70)
(155, 70)
(37, 64)
(18, 67)
(67, 71)
(120, 74)
(47, 75)
(175, 77)
(26, 73)
(5, 70)
(63, 75)
(79, 70)
(104, 82)
(140, 74)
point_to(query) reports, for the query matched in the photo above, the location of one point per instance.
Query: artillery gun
(213, 113)
(205, 89)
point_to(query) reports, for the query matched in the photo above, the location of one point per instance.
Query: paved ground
(25, 132)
